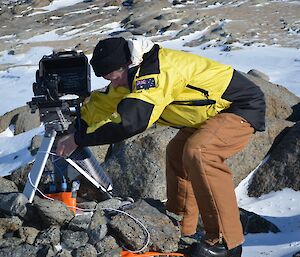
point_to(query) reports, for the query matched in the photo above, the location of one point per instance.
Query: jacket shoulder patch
(145, 83)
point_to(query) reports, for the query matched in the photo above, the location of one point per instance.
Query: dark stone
(145, 177)
(46, 251)
(19, 251)
(73, 240)
(85, 251)
(35, 144)
(164, 235)
(64, 253)
(112, 253)
(296, 254)
(97, 234)
(10, 242)
(114, 203)
(32, 218)
(28, 234)
(98, 227)
(20, 176)
(253, 223)
(107, 244)
(13, 204)
(80, 222)
(282, 169)
(259, 74)
(87, 205)
(53, 212)
(11, 224)
(98, 219)
(7, 186)
(48, 236)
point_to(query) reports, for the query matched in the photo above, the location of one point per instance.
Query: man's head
(110, 55)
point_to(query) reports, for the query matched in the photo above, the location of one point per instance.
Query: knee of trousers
(191, 154)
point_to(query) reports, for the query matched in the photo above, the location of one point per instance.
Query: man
(216, 108)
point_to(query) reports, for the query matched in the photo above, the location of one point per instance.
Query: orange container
(66, 198)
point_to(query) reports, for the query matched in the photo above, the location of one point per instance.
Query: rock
(47, 251)
(20, 175)
(99, 152)
(13, 204)
(32, 218)
(80, 222)
(19, 251)
(48, 236)
(114, 203)
(112, 253)
(98, 227)
(145, 177)
(35, 144)
(258, 74)
(7, 186)
(97, 234)
(282, 169)
(10, 242)
(21, 118)
(253, 223)
(107, 244)
(242, 163)
(87, 205)
(64, 253)
(296, 254)
(164, 235)
(27, 121)
(28, 234)
(85, 251)
(73, 240)
(53, 212)
(11, 224)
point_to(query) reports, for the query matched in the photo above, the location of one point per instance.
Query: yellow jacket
(170, 87)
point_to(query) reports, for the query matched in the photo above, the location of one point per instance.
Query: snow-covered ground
(282, 65)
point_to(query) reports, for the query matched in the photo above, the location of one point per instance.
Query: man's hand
(66, 145)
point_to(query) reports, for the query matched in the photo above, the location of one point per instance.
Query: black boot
(218, 250)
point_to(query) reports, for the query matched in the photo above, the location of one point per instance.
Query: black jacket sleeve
(135, 115)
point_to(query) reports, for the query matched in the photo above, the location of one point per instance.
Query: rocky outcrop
(21, 119)
(103, 230)
(282, 169)
(137, 165)
(253, 223)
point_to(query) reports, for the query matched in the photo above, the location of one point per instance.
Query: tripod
(81, 159)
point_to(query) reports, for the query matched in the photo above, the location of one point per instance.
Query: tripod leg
(37, 169)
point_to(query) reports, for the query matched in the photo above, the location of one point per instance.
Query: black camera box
(72, 70)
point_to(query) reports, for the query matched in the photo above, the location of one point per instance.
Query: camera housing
(62, 73)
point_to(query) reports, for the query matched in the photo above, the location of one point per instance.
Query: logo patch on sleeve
(145, 83)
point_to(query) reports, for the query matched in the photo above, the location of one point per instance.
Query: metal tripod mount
(55, 122)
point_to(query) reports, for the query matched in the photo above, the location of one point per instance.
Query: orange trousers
(199, 182)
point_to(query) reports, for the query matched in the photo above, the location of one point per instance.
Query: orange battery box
(66, 198)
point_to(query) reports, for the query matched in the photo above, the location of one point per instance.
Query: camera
(60, 74)
(62, 83)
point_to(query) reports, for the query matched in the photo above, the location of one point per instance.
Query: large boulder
(21, 118)
(137, 165)
(282, 169)
(158, 230)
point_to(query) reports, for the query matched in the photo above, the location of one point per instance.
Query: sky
(282, 65)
